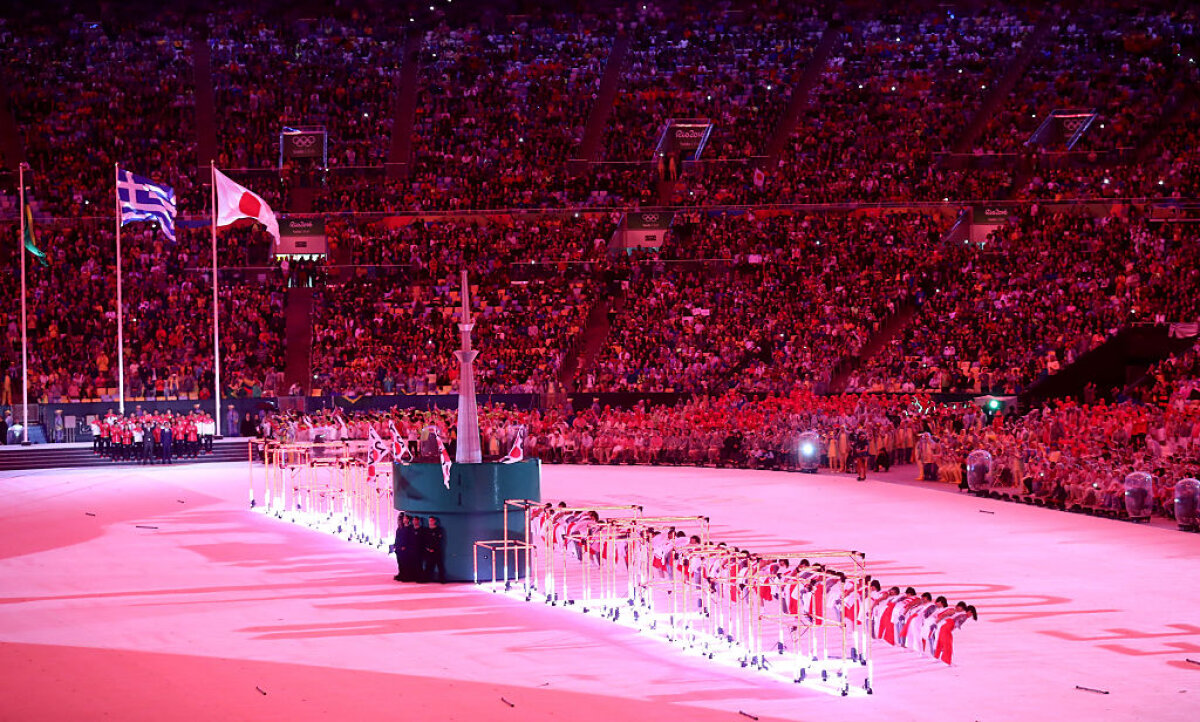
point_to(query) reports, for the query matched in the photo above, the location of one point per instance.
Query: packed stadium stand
(947, 199)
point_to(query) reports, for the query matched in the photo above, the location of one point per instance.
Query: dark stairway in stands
(404, 110)
(591, 339)
(1175, 110)
(12, 147)
(206, 111)
(997, 96)
(299, 338)
(1017, 66)
(597, 120)
(298, 311)
(803, 81)
(898, 322)
(891, 327)
(1116, 363)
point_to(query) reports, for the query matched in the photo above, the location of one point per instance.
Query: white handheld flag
(377, 451)
(446, 462)
(517, 452)
(400, 451)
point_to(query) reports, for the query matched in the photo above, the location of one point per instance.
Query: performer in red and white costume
(944, 646)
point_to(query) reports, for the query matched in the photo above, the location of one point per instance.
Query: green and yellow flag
(29, 242)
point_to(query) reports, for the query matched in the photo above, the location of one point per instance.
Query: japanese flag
(236, 201)
(517, 453)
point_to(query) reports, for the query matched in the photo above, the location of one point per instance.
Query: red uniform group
(148, 438)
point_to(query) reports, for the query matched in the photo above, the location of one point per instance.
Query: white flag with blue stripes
(143, 200)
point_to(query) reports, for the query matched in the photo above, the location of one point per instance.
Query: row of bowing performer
(807, 615)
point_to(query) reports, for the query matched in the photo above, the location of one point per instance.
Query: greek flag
(143, 200)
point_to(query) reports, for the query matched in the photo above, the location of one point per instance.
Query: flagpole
(216, 321)
(120, 305)
(24, 323)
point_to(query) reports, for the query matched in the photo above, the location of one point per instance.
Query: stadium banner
(684, 137)
(990, 215)
(689, 136)
(1063, 128)
(985, 219)
(303, 144)
(649, 220)
(301, 236)
(645, 230)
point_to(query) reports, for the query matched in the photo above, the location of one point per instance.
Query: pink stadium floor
(222, 613)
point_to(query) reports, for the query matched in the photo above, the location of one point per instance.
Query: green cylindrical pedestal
(472, 509)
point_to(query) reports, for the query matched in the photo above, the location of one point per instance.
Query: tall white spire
(469, 449)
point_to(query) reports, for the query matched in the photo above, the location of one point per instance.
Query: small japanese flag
(517, 453)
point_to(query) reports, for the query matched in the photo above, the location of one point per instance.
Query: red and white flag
(517, 452)
(403, 454)
(377, 451)
(400, 451)
(446, 463)
(235, 201)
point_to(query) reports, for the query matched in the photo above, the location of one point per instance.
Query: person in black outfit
(1059, 495)
(416, 549)
(860, 443)
(433, 552)
(406, 545)
(147, 450)
(166, 442)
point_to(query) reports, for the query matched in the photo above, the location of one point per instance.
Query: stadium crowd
(764, 303)
(778, 303)
(1031, 299)
(332, 73)
(79, 114)
(1068, 455)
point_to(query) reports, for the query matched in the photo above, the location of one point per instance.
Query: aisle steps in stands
(594, 335)
(299, 338)
(12, 146)
(1177, 111)
(1017, 66)
(893, 326)
(1113, 364)
(79, 455)
(300, 199)
(597, 121)
(666, 190)
(802, 85)
(206, 109)
(404, 110)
